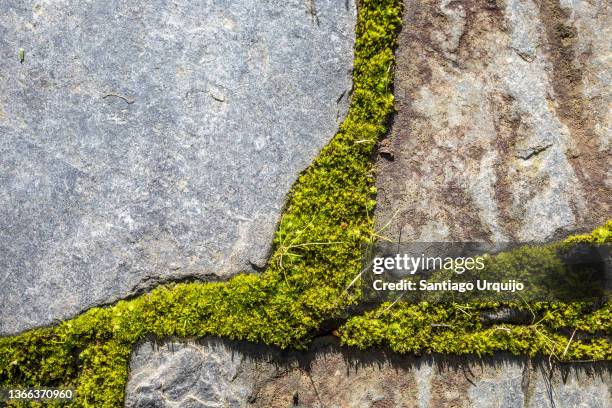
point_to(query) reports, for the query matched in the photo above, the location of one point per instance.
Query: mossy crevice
(564, 331)
(316, 253)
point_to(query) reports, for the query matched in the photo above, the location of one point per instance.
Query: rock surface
(217, 373)
(502, 133)
(503, 124)
(142, 142)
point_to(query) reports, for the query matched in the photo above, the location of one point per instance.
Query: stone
(485, 146)
(146, 142)
(503, 126)
(334, 377)
(186, 374)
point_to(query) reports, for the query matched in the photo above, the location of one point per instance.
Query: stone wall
(141, 143)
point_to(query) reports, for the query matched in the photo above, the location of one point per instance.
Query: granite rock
(218, 373)
(143, 142)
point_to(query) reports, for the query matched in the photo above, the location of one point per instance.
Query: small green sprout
(21, 55)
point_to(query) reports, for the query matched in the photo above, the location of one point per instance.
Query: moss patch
(563, 331)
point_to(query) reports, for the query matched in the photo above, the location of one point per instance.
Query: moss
(317, 251)
(600, 235)
(457, 328)
(317, 254)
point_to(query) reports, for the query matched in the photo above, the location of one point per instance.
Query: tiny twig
(127, 100)
(503, 328)
(391, 305)
(568, 343)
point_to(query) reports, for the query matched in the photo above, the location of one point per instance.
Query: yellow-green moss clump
(317, 251)
(564, 331)
(457, 329)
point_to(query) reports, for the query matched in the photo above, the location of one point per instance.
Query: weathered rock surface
(148, 141)
(216, 373)
(503, 125)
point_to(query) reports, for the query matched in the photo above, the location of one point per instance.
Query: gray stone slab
(142, 142)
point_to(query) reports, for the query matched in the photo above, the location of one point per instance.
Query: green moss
(317, 251)
(600, 235)
(457, 328)
(317, 254)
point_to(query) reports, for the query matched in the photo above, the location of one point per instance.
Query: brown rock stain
(422, 52)
(507, 125)
(574, 110)
(331, 381)
(468, 153)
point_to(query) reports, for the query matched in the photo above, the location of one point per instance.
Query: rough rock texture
(216, 373)
(503, 124)
(187, 375)
(502, 133)
(154, 140)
